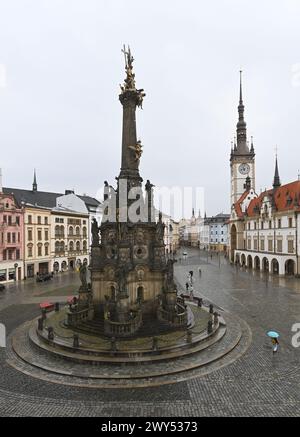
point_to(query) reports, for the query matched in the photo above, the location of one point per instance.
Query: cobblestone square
(256, 383)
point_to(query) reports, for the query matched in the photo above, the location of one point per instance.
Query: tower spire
(276, 182)
(241, 128)
(34, 185)
(241, 89)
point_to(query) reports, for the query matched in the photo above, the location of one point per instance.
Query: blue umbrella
(273, 334)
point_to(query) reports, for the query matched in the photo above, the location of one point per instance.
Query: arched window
(57, 247)
(62, 231)
(56, 231)
(140, 294)
(84, 233)
(84, 246)
(77, 230)
(71, 231)
(71, 246)
(77, 246)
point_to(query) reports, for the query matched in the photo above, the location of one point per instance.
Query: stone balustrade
(75, 317)
(123, 329)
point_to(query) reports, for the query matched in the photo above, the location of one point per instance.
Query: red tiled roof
(287, 198)
(238, 204)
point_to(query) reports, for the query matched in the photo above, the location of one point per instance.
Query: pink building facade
(11, 239)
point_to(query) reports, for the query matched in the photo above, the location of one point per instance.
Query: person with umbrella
(274, 337)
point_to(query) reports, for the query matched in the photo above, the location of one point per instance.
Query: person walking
(200, 272)
(275, 344)
(187, 285)
(192, 292)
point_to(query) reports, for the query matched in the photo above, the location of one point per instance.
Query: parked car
(2, 287)
(44, 277)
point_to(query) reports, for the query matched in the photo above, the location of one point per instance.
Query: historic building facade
(216, 232)
(190, 230)
(11, 238)
(37, 237)
(264, 229)
(56, 229)
(69, 239)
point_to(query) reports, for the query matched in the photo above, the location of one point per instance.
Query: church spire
(276, 182)
(34, 185)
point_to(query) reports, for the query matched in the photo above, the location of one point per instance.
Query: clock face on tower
(244, 169)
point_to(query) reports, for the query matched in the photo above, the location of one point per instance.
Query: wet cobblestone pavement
(254, 383)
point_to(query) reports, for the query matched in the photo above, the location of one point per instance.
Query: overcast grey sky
(61, 63)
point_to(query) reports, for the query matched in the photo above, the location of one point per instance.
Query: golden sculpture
(137, 150)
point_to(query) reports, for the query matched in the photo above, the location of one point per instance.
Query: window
(255, 225)
(279, 223)
(29, 234)
(29, 251)
(19, 237)
(9, 220)
(270, 224)
(84, 246)
(13, 237)
(255, 244)
(46, 234)
(5, 219)
(18, 221)
(290, 222)
(8, 237)
(77, 230)
(71, 232)
(262, 225)
(249, 226)
(71, 246)
(10, 254)
(84, 232)
(262, 244)
(77, 246)
(57, 247)
(46, 220)
(30, 219)
(4, 255)
(39, 219)
(270, 245)
(290, 246)
(46, 250)
(249, 244)
(56, 220)
(279, 245)
(18, 254)
(39, 234)
(39, 250)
